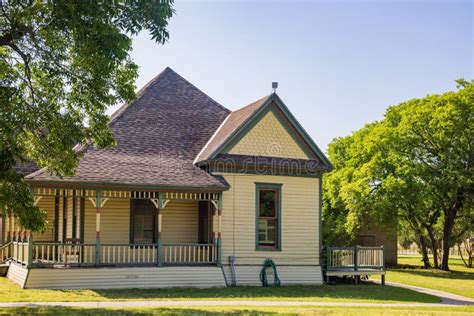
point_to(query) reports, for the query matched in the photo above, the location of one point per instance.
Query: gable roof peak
(236, 122)
(174, 81)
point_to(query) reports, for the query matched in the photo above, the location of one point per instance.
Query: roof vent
(274, 86)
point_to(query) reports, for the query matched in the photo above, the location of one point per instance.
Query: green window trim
(268, 187)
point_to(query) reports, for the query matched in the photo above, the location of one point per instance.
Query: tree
(415, 164)
(62, 64)
(436, 136)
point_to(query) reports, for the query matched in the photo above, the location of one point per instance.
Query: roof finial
(274, 86)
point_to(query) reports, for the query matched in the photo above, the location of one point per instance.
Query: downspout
(232, 271)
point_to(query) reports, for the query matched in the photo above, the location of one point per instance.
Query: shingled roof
(158, 136)
(165, 135)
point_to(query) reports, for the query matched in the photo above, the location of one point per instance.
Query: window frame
(132, 223)
(268, 187)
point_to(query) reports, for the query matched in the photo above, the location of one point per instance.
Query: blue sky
(339, 64)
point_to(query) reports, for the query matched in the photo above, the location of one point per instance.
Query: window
(268, 217)
(142, 222)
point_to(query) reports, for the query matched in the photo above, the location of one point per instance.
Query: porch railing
(355, 258)
(5, 252)
(50, 253)
(39, 253)
(20, 251)
(126, 254)
(190, 253)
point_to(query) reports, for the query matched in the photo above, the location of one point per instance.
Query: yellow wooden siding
(17, 274)
(250, 275)
(269, 138)
(136, 277)
(69, 217)
(78, 218)
(115, 222)
(47, 204)
(10, 226)
(89, 222)
(299, 220)
(60, 219)
(180, 222)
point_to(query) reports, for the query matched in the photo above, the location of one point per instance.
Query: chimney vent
(274, 86)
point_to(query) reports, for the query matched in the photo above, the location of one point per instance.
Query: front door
(204, 222)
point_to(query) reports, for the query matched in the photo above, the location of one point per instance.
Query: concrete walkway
(446, 298)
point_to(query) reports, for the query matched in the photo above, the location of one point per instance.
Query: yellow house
(193, 195)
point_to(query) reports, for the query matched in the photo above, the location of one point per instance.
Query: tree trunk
(434, 246)
(449, 216)
(447, 229)
(424, 252)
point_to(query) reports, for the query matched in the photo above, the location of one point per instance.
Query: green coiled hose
(263, 274)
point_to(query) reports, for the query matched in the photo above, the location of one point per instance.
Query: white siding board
(147, 277)
(17, 274)
(289, 275)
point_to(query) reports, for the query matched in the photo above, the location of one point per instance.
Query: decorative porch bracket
(37, 199)
(98, 202)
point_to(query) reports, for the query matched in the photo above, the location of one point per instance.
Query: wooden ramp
(126, 277)
(18, 274)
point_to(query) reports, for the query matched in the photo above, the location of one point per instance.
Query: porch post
(159, 219)
(219, 233)
(9, 226)
(65, 216)
(3, 230)
(214, 231)
(30, 250)
(98, 204)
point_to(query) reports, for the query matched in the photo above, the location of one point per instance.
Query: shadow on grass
(362, 292)
(60, 311)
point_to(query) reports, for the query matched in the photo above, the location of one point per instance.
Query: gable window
(268, 216)
(142, 222)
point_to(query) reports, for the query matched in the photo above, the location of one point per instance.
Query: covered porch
(119, 228)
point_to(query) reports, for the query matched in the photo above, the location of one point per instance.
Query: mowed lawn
(243, 310)
(10, 292)
(460, 280)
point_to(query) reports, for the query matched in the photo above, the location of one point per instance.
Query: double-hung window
(268, 216)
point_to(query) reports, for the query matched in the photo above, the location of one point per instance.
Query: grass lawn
(460, 280)
(244, 311)
(10, 292)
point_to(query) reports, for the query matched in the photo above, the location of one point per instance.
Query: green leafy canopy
(414, 165)
(62, 64)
